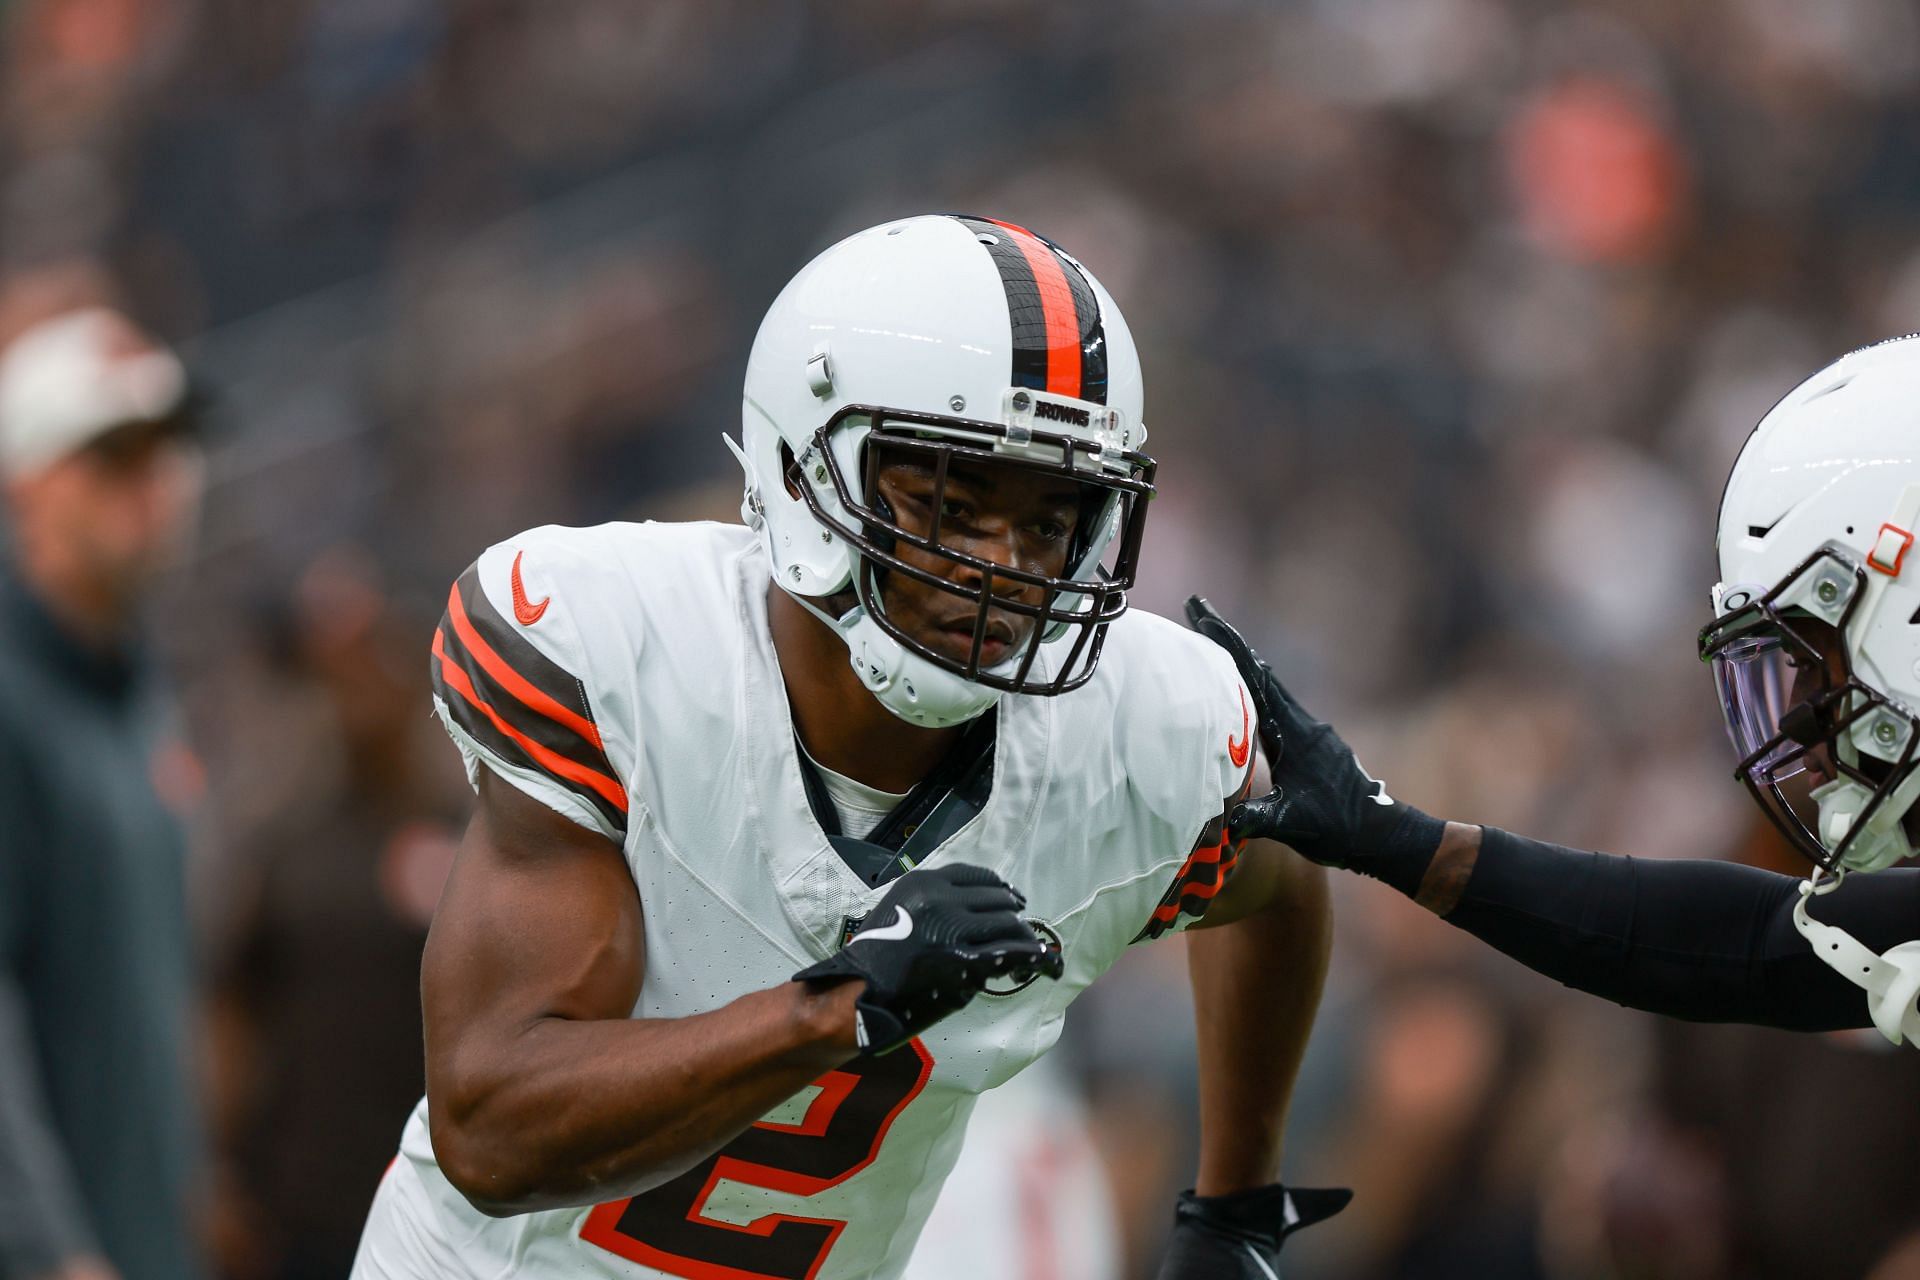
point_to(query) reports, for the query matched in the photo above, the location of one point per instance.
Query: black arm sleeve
(1704, 941)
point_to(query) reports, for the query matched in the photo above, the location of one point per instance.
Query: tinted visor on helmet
(1001, 614)
(1791, 701)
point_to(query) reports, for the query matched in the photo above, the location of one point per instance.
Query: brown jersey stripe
(471, 639)
(507, 678)
(1215, 854)
(503, 699)
(513, 648)
(1199, 878)
(478, 717)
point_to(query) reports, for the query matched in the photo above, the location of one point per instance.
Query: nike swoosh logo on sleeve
(1239, 751)
(526, 613)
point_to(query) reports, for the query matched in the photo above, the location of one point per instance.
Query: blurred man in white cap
(101, 485)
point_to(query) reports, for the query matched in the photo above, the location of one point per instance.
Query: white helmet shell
(926, 316)
(1835, 468)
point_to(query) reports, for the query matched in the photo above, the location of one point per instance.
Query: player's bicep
(540, 919)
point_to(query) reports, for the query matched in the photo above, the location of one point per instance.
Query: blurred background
(1453, 313)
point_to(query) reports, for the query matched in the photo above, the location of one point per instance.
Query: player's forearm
(1256, 986)
(1702, 940)
(559, 1112)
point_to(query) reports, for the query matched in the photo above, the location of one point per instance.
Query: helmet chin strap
(901, 681)
(1882, 841)
(1891, 980)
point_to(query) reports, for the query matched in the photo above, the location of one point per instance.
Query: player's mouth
(954, 639)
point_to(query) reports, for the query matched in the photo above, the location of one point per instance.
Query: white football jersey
(625, 676)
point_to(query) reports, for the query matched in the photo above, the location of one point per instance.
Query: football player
(792, 838)
(1815, 649)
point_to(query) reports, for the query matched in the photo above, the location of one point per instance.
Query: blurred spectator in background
(321, 911)
(97, 1131)
(1803, 1145)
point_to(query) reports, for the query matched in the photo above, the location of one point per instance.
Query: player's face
(1004, 515)
(122, 508)
(1813, 675)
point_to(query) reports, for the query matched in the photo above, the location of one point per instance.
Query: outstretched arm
(1703, 940)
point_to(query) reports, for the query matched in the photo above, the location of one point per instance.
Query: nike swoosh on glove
(1323, 803)
(933, 942)
(1238, 1236)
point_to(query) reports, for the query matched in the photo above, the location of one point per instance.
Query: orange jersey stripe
(511, 681)
(1056, 301)
(601, 784)
(1167, 911)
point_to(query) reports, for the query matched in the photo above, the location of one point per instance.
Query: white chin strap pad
(1878, 844)
(1891, 981)
(902, 682)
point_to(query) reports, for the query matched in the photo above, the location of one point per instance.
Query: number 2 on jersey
(668, 1228)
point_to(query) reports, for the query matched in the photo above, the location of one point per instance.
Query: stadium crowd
(1453, 313)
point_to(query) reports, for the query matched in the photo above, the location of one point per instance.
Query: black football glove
(932, 943)
(1238, 1236)
(1323, 803)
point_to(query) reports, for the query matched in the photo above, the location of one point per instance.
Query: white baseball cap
(67, 381)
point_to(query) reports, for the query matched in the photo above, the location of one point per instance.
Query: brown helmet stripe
(1059, 342)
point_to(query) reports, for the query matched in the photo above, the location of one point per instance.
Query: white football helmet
(1815, 642)
(959, 339)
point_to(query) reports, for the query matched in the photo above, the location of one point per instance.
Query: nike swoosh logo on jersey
(525, 612)
(895, 932)
(1239, 751)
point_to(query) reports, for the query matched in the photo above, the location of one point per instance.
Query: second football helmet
(1815, 641)
(952, 340)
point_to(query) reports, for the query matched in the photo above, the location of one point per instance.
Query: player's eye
(954, 509)
(904, 497)
(1051, 530)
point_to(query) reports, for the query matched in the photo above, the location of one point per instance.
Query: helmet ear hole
(790, 471)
